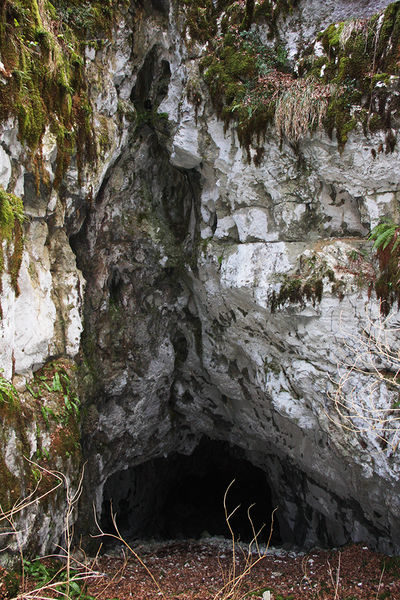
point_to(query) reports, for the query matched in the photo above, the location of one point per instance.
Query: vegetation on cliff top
(361, 59)
(245, 76)
(352, 79)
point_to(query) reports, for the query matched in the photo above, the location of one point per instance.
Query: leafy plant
(54, 385)
(46, 573)
(8, 393)
(386, 236)
(56, 382)
(39, 571)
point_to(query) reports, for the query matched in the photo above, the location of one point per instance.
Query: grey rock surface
(168, 260)
(183, 254)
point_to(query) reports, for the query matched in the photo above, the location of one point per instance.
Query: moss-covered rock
(42, 48)
(307, 284)
(40, 436)
(11, 238)
(361, 61)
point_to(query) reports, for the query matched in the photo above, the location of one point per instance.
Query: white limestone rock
(5, 168)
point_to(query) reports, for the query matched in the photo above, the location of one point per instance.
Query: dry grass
(72, 572)
(234, 579)
(301, 108)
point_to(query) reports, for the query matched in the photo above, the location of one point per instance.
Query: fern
(386, 236)
(384, 233)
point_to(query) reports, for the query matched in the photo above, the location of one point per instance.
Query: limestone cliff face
(220, 288)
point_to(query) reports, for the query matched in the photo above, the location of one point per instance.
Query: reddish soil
(198, 570)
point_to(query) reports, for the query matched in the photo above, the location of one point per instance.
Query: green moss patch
(10, 488)
(43, 83)
(270, 12)
(361, 60)
(11, 219)
(251, 84)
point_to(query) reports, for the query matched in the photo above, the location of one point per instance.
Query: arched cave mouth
(180, 497)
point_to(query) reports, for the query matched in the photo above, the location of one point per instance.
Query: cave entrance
(181, 496)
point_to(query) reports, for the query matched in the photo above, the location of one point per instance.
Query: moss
(270, 12)
(200, 19)
(331, 36)
(295, 290)
(43, 70)
(306, 285)
(153, 119)
(361, 57)
(11, 211)
(11, 218)
(290, 291)
(15, 259)
(10, 487)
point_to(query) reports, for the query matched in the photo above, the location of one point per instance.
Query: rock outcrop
(224, 290)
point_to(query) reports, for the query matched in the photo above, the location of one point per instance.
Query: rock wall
(41, 324)
(218, 297)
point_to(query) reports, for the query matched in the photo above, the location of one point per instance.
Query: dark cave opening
(179, 496)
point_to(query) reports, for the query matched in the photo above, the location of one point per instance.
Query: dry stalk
(335, 580)
(301, 108)
(305, 574)
(117, 536)
(118, 575)
(84, 572)
(380, 581)
(72, 500)
(23, 504)
(231, 590)
(365, 409)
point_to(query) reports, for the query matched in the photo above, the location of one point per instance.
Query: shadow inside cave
(180, 497)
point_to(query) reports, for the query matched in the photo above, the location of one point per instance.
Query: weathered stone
(223, 364)
(222, 299)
